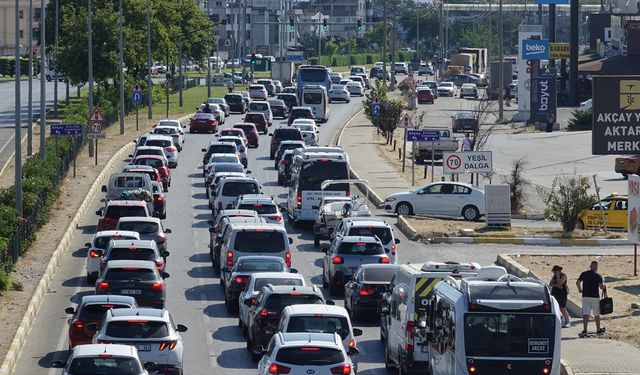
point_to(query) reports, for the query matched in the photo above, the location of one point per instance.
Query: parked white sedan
(448, 199)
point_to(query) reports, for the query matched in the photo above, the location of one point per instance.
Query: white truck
(282, 71)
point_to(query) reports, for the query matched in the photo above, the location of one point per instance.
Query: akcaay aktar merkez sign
(616, 115)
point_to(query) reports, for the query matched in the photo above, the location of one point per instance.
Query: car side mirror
(130, 155)
(87, 244)
(203, 149)
(104, 188)
(330, 302)
(384, 308)
(420, 192)
(151, 366)
(164, 275)
(357, 332)
(293, 270)
(258, 350)
(181, 328)
(397, 241)
(57, 364)
(353, 351)
(325, 249)
(290, 241)
(70, 310)
(165, 253)
(248, 302)
(270, 134)
(167, 230)
(99, 212)
(247, 172)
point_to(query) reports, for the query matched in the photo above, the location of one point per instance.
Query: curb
(528, 216)
(565, 369)
(406, 229)
(532, 241)
(19, 339)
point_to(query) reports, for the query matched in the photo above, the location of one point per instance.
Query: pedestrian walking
(589, 284)
(560, 291)
(551, 120)
(466, 143)
(507, 95)
(230, 85)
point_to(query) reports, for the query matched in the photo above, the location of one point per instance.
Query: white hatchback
(97, 246)
(104, 359)
(166, 142)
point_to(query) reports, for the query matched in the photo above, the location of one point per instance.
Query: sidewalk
(581, 356)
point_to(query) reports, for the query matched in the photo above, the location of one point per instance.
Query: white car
(300, 353)
(171, 122)
(215, 180)
(264, 205)
(254, 285)
(355, 88)
(447, 199)
(230, 188)
(97, 246)
(151, 331)
(148, 150)
(306, 126)
(586, 106)
(469, 89)
(310, 137)
(175, 133)
(241, 145)
(222, 103)
(166, 142)
(258, 92)
(103, 359)
(339, 92)
(264, 108)
(446, 89)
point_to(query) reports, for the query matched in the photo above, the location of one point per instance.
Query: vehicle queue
(290, 326)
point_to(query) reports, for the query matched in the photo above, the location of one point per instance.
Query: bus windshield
(314, 75)
(509, 335)
(313, 173)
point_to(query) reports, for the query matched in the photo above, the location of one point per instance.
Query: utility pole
(43, 92)
(393, 47)
(149, 62)
(90, 68)
(384, 45)
(18, 129)
(55, 80)
(441, 39)
(121, 42)
(573, 52)
(552, 30)
(500, 59)
(30, 93)
(417, 31)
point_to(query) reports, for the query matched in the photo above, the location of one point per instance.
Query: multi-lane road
(194, 296)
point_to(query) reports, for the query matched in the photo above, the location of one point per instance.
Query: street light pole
(90, 69)
(18, 129)
(180, 53)
(43, 97)
(30, 94)
(500, 59)
(392, 86)
(149, 83)
(121, 52)
(384, 44)
(55, 81)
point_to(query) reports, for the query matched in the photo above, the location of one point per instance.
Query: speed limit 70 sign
(467, 162)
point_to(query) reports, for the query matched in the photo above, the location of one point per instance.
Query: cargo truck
(445, 144)
(480, 60)
(462, 59)
(282, 71)
(493, 91)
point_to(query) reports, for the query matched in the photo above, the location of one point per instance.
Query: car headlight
(390, 199)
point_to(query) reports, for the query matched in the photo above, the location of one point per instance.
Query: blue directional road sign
(423, 135)
(375, 109)
(66, 129)
(137, 97)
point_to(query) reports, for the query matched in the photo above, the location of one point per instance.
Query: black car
(265, 314)
(464, 122)
(283, 134)
(300, 112)
(279, 108)
(236, 102)
(236, 279)
(291, 100)
(139, 279)
(284, 168)
(363, 293)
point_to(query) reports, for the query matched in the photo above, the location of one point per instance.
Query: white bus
(494, 323)
(308, 172)
(315, 97)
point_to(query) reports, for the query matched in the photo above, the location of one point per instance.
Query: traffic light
(325, 25)
(253, 59)
(292, 25)
(359, 24)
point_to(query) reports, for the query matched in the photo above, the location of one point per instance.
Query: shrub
(567, 198)
(581, 120)
(5, 280)
(369, 59)
(517, 184)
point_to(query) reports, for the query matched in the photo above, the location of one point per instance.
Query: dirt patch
(29, 269)
(431, 227)
(622, 286)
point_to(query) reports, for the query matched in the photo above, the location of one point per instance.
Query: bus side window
(394, 304)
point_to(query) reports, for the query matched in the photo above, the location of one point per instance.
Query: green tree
(568, 197)
(330, 49)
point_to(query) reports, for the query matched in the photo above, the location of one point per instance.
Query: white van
(262, 107)
(315, 97)
(404, 309)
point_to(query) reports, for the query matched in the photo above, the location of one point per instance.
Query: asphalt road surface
(195, 298)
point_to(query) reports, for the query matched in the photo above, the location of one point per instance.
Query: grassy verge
(191, 99)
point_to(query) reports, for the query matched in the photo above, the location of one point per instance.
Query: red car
(425, 96)
(258, 119)
(234, 132)
(114, 210)
(158, 162)
(91, 309)
(203, 122)
(250, 131)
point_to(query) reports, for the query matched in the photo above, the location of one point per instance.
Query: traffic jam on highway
(433, 317)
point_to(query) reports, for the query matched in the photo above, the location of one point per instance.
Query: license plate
(130, 291)
(143, 347)
(424, 349)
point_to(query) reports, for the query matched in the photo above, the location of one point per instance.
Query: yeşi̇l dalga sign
(616, 115)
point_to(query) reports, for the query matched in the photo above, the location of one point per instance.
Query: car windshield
(227, 167)
(318, 323)
(124, 253)
(465, 115)
(103, 241)
(153, 162)
(142, 227)
(237, 188)
(509, 334)
(379, 275)
(247, 128)
(149, 151)
(165, 130)
(384, 234)
(222, 149)
(360, 248)
(117, 212)
(277, 302)
(276, 102)
(129, 182)
(260, 265)
(96, 311)
(158, 143)
(235, 140)
(258, 241)
(305, 127)
(261, 209)
(256, 106)
(130, 273)
(312, 98)
(310, 356)
(313, 75)
(287, 134)
(168, 123)
(275, 281)
(254, 117)
(231, 132)
(104, 365)
(446, 84)
(224, 159)
(338, 87)
(203, 116)
(233, 98)
(137, 329)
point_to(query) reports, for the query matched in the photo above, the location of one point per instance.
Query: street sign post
(65, 129)
(96, 124)
(295, 56)
(467, 162)
(633, 207)
(424, 135)
(405, 123)
(137, 94)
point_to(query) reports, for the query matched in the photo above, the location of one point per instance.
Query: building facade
(7, 25)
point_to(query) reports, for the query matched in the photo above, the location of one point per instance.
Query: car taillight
(352, 343)
(471, 366)
(337, 260)
(275, 369)
(287, 258)
(94, 254)
(160, 239)
(277, 218)
(393, 249)
(384, 260)
(285, 162)
(160, 266)
(342, 370)
(171, 149)
(79, 324)
(159, 198)
(158, 287)
(367, 291)
(264, 312)
(299, 199)
(229, 258)
(241, 280)
(167, 345)
(274, 141)
(409, 335)
(103, 286)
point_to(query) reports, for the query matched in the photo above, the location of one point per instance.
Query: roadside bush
(5, 280)
(581, 121)
(517, 184)
(370, 59)
(567, 198)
